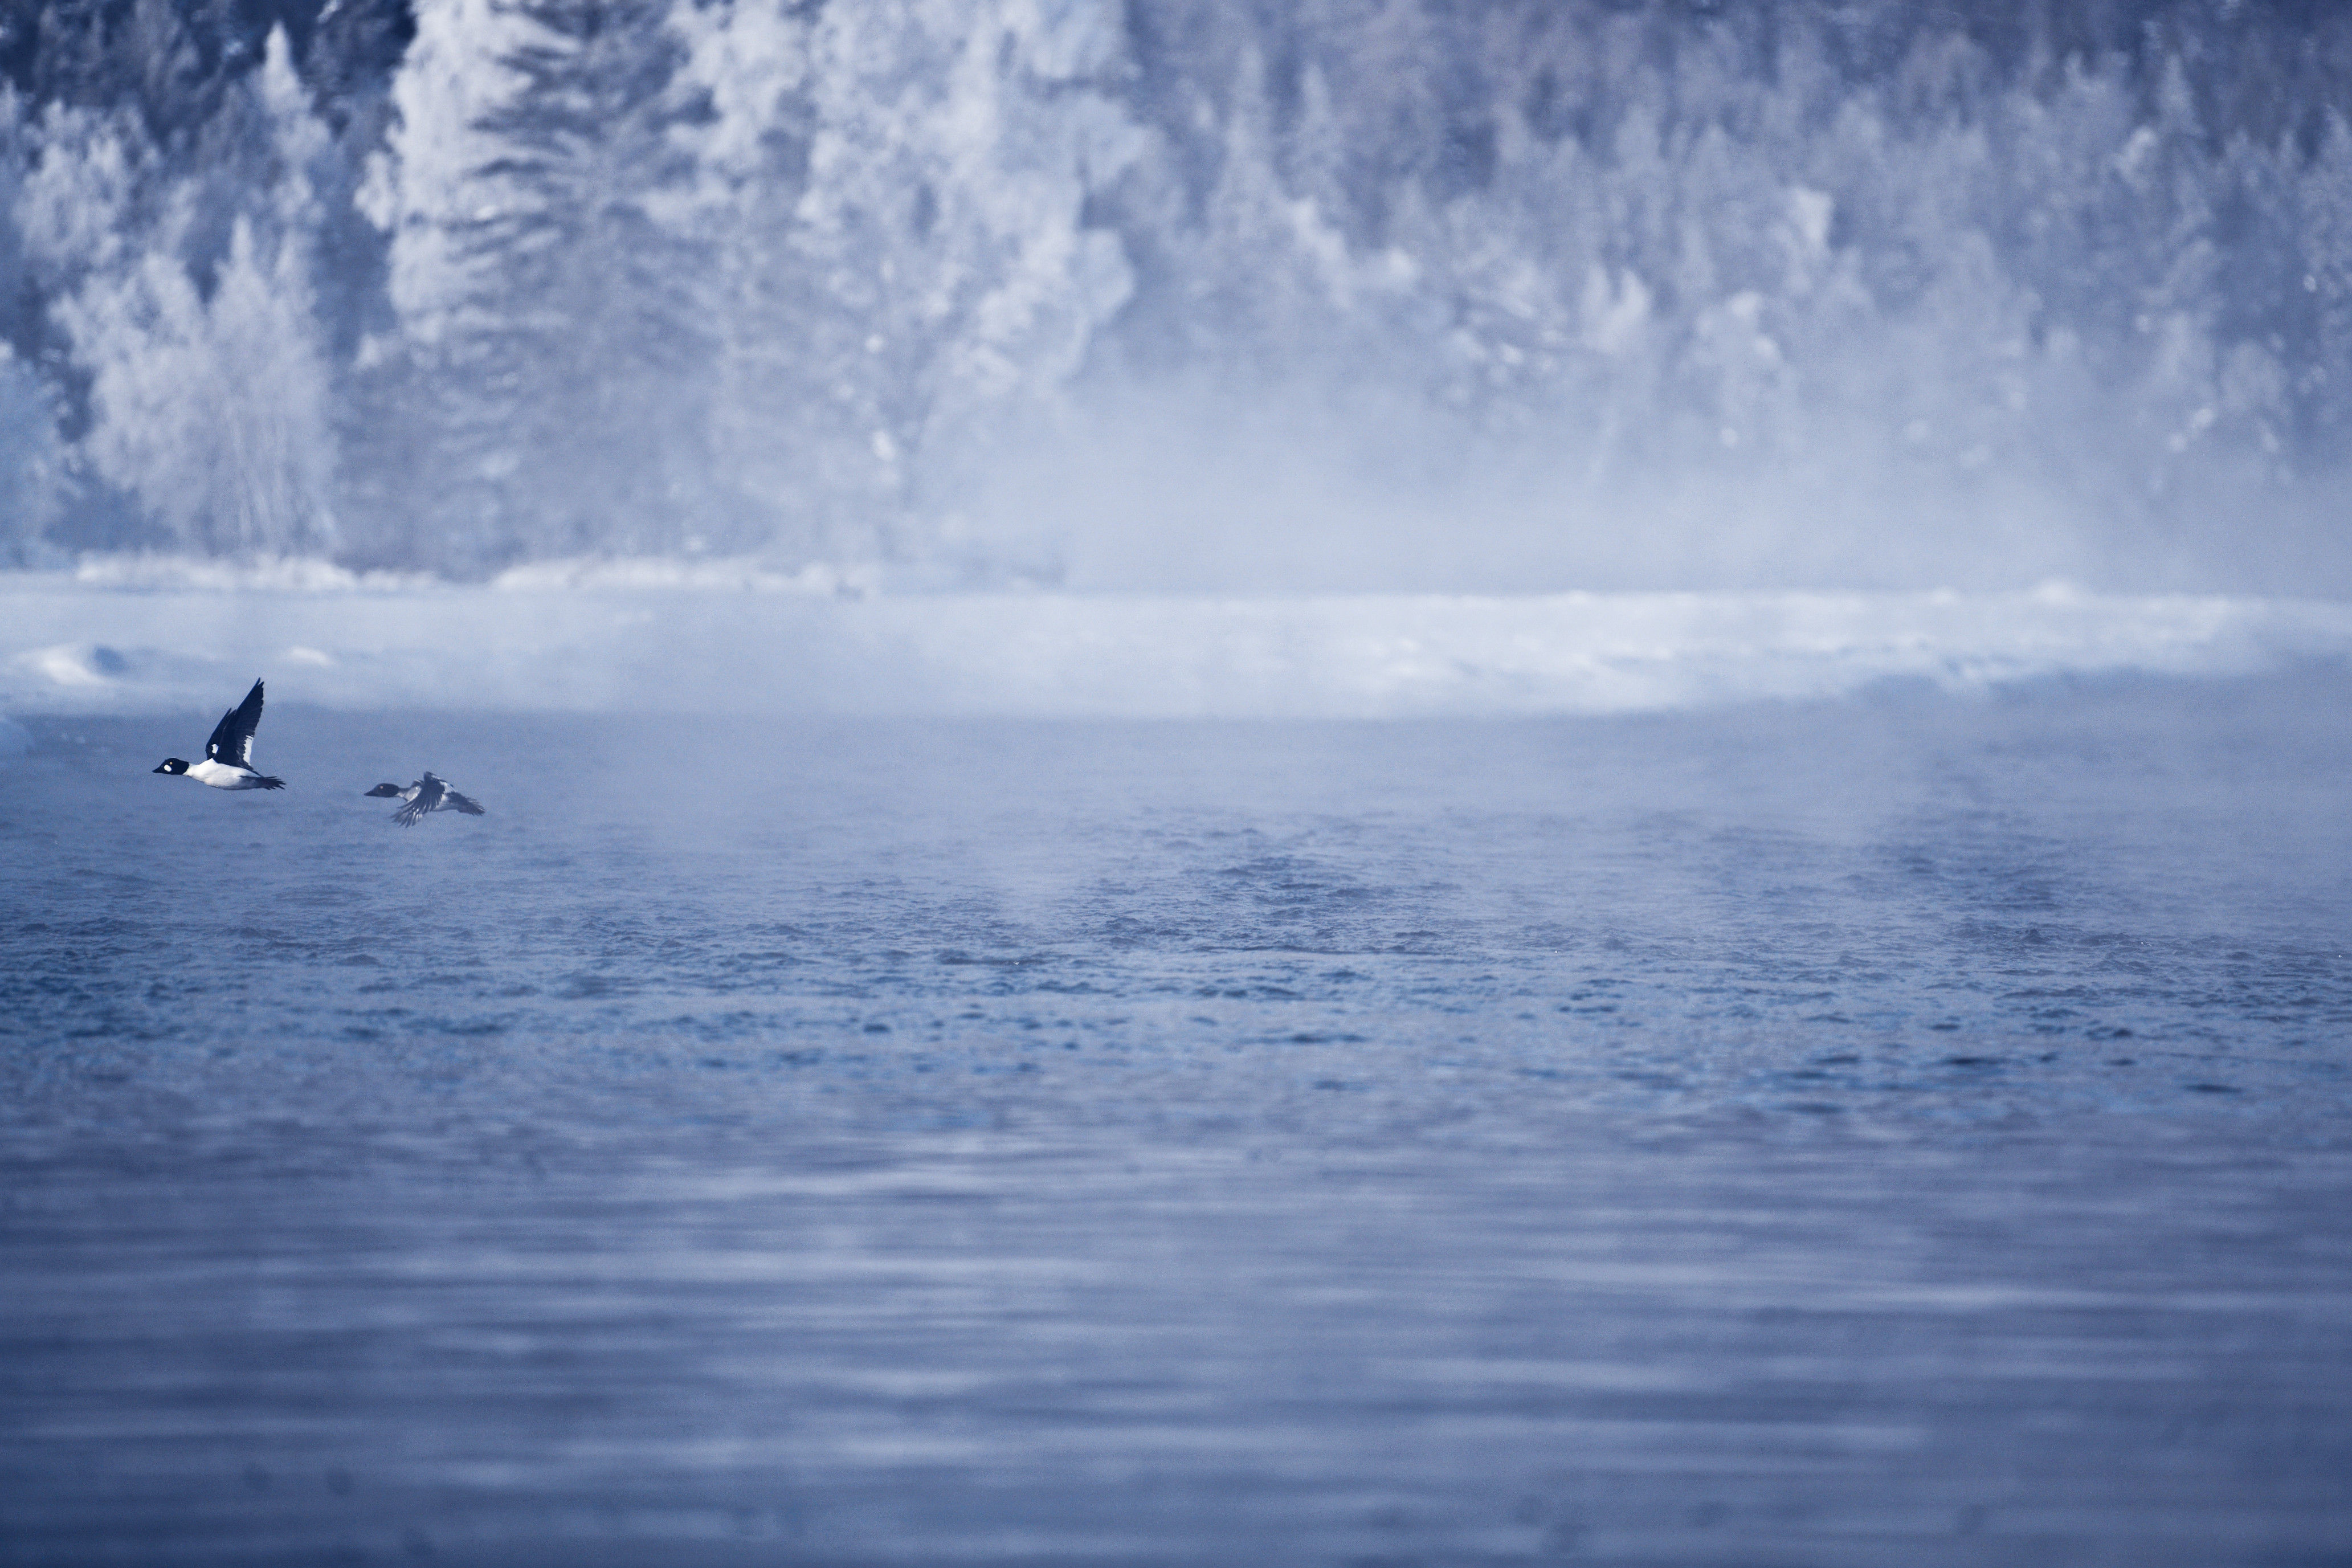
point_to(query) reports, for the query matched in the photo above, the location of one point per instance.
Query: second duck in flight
(426, 794)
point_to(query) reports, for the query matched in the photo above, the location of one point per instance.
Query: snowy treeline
(494, 281)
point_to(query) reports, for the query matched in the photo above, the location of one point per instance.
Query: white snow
(641, 636)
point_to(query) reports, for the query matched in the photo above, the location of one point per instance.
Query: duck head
(389, 791)
(173, 765)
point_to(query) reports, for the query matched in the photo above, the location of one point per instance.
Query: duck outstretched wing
(430, 793)
(232, 741)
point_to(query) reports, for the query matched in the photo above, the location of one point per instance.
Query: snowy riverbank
(718, 640)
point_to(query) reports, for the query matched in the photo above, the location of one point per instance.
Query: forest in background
(453, 286)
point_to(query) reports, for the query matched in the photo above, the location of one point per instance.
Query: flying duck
(228, 756)
(428, 793)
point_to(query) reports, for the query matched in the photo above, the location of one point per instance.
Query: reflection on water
(1909, 1130)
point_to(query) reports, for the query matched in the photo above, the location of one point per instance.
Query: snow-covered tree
(897, 194)
(553, 350)
(206, 381)
(32, 476)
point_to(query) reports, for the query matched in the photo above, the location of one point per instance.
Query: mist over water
(1908, 1129)
(1177, 294)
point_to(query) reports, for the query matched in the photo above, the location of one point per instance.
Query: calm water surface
(1910, 1131)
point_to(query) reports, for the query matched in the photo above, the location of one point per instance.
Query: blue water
(1913, 1129)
